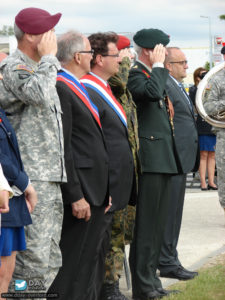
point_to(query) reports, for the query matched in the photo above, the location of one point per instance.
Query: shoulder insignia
(135, 67)
(25, 68)
(146, 73)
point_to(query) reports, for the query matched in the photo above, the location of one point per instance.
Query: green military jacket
(118, 84)
(156, 153)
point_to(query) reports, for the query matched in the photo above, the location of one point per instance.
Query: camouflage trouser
(39, 264)
(122, 234)
(220, 166)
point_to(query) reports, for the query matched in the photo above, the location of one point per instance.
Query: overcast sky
(179, 18)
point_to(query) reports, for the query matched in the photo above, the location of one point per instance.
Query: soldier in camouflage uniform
(123, 220)
(215, 104)
(28, 95)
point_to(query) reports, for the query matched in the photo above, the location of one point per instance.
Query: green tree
(207, 65)
(7, 30)
(222, 17)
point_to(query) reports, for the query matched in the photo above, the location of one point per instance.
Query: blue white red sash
(80, 91)
(92, 81)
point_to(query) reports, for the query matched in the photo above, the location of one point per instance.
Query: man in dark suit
(147, 82)
(186, 142)
(122, 185)
(105, 63)
(85, 195)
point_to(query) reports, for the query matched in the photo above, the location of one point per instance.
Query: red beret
(36, 21)
(123, 42)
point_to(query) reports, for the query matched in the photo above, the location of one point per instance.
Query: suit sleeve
(149, 88)
(71, 190)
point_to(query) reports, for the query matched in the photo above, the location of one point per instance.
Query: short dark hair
(99, 43)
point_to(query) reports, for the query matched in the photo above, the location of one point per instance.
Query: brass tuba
(201, 97)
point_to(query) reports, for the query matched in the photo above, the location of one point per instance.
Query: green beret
(149, 38)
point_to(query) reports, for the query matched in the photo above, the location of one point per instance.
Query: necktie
(186, 95)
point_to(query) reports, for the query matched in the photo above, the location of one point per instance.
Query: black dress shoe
(215, 188)
(179, 274)
(191, 272)
(167, 292)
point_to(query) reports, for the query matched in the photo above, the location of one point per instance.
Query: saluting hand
(81, 209)
(126, 53)
(48, 44)
(158, 54)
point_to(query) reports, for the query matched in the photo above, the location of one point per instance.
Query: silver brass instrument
(201, 97)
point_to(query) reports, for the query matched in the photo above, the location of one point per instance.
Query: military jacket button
(160, 104)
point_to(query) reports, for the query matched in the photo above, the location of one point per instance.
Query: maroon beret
(35, 20)
(123, 42)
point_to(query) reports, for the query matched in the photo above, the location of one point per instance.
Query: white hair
(18, 32)
(137, 49)
(68, 44)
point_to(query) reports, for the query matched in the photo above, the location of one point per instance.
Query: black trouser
(152, 209)
(84, 246)
(168, 259)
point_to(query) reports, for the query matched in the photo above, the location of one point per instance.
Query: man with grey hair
(85, 196)
(28, 95)
(146, 82)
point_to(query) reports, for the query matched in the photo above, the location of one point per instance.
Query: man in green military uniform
(147, 80)
(123, 220)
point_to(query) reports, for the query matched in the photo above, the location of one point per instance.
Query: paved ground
(203, 230)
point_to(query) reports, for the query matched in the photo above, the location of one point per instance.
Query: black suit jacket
(121, 165)
(185, 130)
(86, 158)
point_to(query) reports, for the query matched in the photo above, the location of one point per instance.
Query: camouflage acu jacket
(214, 102)
(28, 95)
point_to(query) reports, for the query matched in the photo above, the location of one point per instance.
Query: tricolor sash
(80, 91)
(92, 81)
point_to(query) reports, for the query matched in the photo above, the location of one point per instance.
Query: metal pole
(210, 40)
(127, 271)
(210, 43)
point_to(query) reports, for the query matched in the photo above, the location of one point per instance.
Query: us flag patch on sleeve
(25, 68)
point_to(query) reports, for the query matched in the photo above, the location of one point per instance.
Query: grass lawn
(209, 285)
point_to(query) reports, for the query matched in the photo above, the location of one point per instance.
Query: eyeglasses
(183, 62)
(90, 51)
(112, 55)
